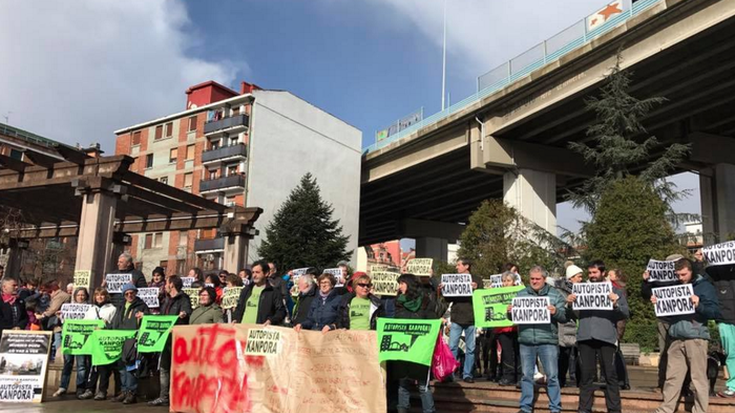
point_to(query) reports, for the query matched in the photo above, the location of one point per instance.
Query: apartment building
(247, 148)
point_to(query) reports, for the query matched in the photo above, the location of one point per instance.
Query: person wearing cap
(662, 323)
(723, 277)
(568, 331)
(127, 317)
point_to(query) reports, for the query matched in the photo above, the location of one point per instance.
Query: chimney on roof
(94, 150)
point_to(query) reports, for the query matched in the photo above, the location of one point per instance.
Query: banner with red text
(250, 368)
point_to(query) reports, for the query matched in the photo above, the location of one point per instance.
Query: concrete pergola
(99, 200)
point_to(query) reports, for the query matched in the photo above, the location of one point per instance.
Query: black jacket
(462, 312)
(723, 278)
(270, 306)
(9, 320)
(302, 306)
(125, 320)
(175, 305)
(376, 309)
(138, 280)
(427, 310)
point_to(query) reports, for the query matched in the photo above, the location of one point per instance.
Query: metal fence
(522, 65)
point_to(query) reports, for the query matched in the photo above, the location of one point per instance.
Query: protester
(259, 302)
(689, 335)
(507, 337)
(307, 293)
(233, 281)
(208, 311)
(127, 317)
(245, 275)
(84, 363)
(618, 280)
(359, 310)
(598, 334)
(70, 289)
(222, 275)
(724, 281)
(413, 303)
(102, 309)
(463, 321)
(125, 266)
(49, 319)
(212, 280)
(28, 290)
(698, 264)
(568, 331)
(13, 314)
(158, 280)
(541, 341)
(324, 309)
(198, 275)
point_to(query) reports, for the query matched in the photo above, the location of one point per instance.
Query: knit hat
(127, 287)
(573, 270)
(159, 270)
(674, 257)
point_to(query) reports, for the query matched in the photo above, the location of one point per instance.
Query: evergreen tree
(302, 232)
(629, 228)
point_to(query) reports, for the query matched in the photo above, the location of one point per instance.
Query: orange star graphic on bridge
(610, 10)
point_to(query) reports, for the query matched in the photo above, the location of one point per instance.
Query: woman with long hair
(102, 309)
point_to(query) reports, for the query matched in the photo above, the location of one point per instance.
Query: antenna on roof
(7, 117)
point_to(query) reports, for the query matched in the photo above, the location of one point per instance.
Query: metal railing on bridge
(524, 64)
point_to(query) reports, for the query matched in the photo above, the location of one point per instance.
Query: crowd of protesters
(568, 351)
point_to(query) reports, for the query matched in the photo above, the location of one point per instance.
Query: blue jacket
(535, 334)
(691, 326)
(323, 312)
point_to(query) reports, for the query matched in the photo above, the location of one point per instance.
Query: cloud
(75, 72)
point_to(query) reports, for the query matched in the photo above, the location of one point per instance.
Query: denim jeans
(84, 367)
(548, 354)
(55, 345)
(66, 371)
(427, 399)
(128, 379)
(455, 332)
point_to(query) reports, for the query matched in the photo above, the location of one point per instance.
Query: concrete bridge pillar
(432, 247)
(95, 246)
(533, 194)
(717, 193)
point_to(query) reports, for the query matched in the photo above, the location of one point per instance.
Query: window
(230, 201)
(148, 241)
(159, 132)
(233, 140)
(183, 238)
(188, 180)
(169, 130)
(136, 138)
(190, 153)
(16, 154)
(158, 240)
(163, 180)
(214, 145)
(213, 173)
(232, 170)
(149, 160)
(172, 155)
(192, 123)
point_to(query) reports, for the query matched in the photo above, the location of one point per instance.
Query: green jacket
(691, 326)
(209, 314)
(535, 334)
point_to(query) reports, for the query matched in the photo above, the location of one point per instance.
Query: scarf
(9, 298)
(412, 305)
(324, 296)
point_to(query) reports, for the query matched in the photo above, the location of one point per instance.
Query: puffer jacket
(692, 326)
(126, 320)
(568, 330)
(323, 312)
(376, 310)
(535, 334)
(723, 277)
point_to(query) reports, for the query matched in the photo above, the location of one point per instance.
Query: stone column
(95, 248)
(533, 194)
(717, 194)
(236, 251)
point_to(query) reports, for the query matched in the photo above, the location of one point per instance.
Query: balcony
(225, 153)
(237, 123)
(221, 184)
(217, 244)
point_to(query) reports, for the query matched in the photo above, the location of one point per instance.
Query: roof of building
(30, 137)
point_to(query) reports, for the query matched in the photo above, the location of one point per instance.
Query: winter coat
(536, 334)
(60, 297)
(724, 282)
(691, 326)
(270, 305)
(601, 324)
(376, 310)
(175, 305)
(106, 313)
(13, 316)
(302, 306)
(568, 330)
(323, 312)
(209, 314)
(126, 320)
(462, 312)
(405, 369)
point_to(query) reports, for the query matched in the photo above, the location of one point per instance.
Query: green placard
(75, 336)
(491, 306)
(154, 331)
(107, 345)
(407, 340)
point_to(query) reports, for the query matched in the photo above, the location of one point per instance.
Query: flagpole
(444, 56)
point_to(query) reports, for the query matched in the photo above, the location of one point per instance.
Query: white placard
(114, 282)
(385, 283)
(420, 266)
(496, 281)
(231, 297)
(188, 281)
(661, 271)
(457, 285)
(149, 296)
(592, 296)
(24, 356)
(71, 311)
(720, 254)
(531, 310)
(674, 300)
(337, 273)
(298, 273)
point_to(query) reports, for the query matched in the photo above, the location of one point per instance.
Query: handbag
(443, 363)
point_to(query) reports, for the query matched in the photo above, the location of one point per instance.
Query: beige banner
(250, 368)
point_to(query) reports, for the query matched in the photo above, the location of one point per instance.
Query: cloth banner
(385, 283)
(23, 364)
(674, 300)
(150, 296)
(491, 306)
(531, 310)
(154, 331)
(407, 340)
(75, 336)
(661, 271)
(214, 369)
(71, 311)
(106, 345)
(230, 297)
(592, 296)
(720, 254)
(114, 282)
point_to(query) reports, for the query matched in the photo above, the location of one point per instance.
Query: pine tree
(302, 232)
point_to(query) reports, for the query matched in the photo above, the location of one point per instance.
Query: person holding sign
(360, 309)
(259, 302)
(507, 337)
(127, 317)
(689, 338)
(81, 296)
(540, 341)
(598, 334)
(125, 266)
(463, 321)
(208, 311)
(324, 310)
(102, 309)
(158, 281)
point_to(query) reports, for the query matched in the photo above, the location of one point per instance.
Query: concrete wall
(290, 137)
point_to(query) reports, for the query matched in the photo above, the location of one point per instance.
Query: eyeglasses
(364, 285)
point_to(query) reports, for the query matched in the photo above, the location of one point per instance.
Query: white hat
(573, 270)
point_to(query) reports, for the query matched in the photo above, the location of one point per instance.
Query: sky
(77, 71)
